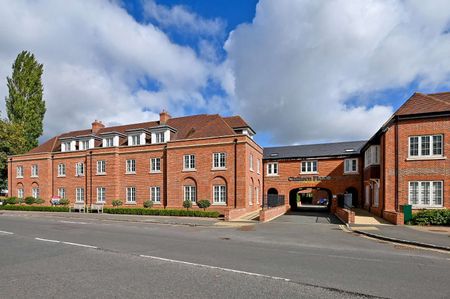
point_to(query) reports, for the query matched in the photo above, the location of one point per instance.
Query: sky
(299, 72)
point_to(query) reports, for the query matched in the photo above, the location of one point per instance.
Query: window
(62, 193)
(258, 166)
(34, 171)
(250, 195)
(108, 142)
(251, 162)
(189, 162)
(155, 194)
(372, 156)
(219, 160)
(65, 146)
(131, 194)
(84, 144)
(79, 169)
(425, 146)
(155, 165)
(35, 192)
(101, 167)
(131, 166)
(79, 194)
(272, 168)
(20, 193)
(220, 194)
(425, 194)
(189, 193)
(159, 137)
(61, 169)
(135, 140)
(101, 194)
(257, 194)
(19, 171)
(350, 165)
(309, 167)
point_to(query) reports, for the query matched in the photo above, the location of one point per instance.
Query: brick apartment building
(213, 157)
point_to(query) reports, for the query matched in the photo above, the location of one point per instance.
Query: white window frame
(101, 167)
(190, 193)
(307, 167)
(130, 194)
(250, 195)
(251, 162)
(272, 169)
(348, 165)
(155, 165)
(155, 194)
(79, 169)
(109, 141)
(35, 192)
(84, 144)
(61, 170)
(19, 172)
(20, 193)
(160, 137)
(421, 194)
(135, 139)
(79, 195)
(130, 166)
(62, 192)
(219, 161)
(258, 166)
(34, 171)
(66, 146)
(101, 194)
(431, 154)
(372, 156)
(219, 194)
(189, 162)
(257, 195)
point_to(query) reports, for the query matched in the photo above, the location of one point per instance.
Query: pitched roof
(187, 127)
(314, 150)
(420, 103)
(235, 122)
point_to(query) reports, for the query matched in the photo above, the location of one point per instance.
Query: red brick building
(166, 161)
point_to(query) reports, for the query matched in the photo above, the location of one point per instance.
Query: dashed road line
(6, 233)
(72, 222)
(47, 240)
(80, 245)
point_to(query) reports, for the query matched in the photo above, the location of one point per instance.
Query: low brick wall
(235, 213)
(394, 217)
(345, 215)
(272, 213)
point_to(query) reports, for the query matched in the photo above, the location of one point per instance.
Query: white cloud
(298, 63)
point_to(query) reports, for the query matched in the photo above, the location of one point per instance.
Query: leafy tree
(187, 204)
(204, 204)
(24, 104)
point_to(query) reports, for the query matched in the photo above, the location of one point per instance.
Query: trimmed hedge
(161, 212)
(34, 208)
(432, 217)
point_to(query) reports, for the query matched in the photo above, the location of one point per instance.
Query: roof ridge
(437, 99)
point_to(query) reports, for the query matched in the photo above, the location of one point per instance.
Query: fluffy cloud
(299, 66)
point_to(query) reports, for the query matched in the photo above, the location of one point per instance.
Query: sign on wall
(315, 178)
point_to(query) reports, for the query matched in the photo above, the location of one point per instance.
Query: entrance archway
(272, 191)
(310, 199)
(354, 193)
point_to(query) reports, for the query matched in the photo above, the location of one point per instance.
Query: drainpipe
(10, 178)
(85, 182)
(164, 157)
(235, 173)
(53, 175)
(396, 164)
(90, 177)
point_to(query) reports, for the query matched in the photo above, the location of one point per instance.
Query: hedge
(34, 208)
(432, 217)
(161, 212)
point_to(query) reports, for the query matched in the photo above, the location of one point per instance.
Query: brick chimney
(96, 126)
(164, 116)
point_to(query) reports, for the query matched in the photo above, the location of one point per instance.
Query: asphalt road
(52, 257)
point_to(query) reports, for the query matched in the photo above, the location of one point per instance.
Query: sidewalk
(436, 237)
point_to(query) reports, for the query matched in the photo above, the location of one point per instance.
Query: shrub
(64, 202)
(148, 204)
(204, 204)
(117, 203)
(161, 212)
(187, 204)
(29, 200)
(39, 201)
(11, 200)
(432, 217)
(35, 208)
(20, 200)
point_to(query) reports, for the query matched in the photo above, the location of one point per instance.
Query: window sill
(309, 172)
(19, 177)
(34, 176)
(425, 158)
(189, 170)
(156, 172)
(103, 173)
(61, 176)
(130, 203)
(422, 207)
(273, 175)
(130, 172)
(156, 202)
(219, 204)
(218, 168)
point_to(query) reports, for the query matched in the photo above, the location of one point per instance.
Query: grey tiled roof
(314, 150)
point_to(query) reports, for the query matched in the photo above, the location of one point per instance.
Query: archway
(272, 191)
(310, 199)
(354, 192)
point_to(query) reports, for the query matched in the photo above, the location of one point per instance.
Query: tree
(24, 104)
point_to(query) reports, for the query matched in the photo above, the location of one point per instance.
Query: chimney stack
(96, 126)
(164, 116)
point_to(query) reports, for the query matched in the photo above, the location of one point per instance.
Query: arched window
(219, 191)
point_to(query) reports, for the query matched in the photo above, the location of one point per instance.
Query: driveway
(306, 217)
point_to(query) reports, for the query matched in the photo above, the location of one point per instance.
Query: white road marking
(214, 267)
(80, 245)
(72, 222)
(6, 233)
(47, 240)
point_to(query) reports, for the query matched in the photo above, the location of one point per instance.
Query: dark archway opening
(272, 191)
(310, 199)
(354, 193)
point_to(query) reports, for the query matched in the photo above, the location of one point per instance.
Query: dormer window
(137, 136)
(110, 139)
(86, 142)
(108, 142)
(68, 145)
(159, 137)
(135, 140)
(161, 134)
(65, 146)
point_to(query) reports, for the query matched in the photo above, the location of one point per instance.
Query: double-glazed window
(79, 169)
(189, 162)
(101, 194)
(79, 194)
(190, 193)
(101, 167)
(34, 171)
(65, 146)
(84, 144)
(155, 165)
(350, 165)
(309, 167)
(109, 142)
(135, 139)
(62, 193)
(272, 168)
(159, 137)
(20, 193)
(251, 162)
(35, 192)
(155, 194)
(258, 166)
(131, 194)
(61, 169)
(19, 171)
(219, 160)
(426, 146)
(426, 193)
(131, 166)
(220, 194)
(372, 156)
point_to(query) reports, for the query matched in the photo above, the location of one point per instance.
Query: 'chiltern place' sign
(315, 178)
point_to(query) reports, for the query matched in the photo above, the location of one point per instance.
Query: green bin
(407, 212)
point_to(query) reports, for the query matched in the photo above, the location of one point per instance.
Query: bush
(432, 217)
(11, 201)
(204, 204)
(39, 201)
(64, 202)
(148, 204)
(187, 204)
(29, 200)
(117, 203)
(20, 201)
(161, 212)
(35, 208)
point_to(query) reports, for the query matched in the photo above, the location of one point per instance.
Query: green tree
(24, 104)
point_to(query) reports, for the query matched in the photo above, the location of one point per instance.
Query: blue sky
(301, 71)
